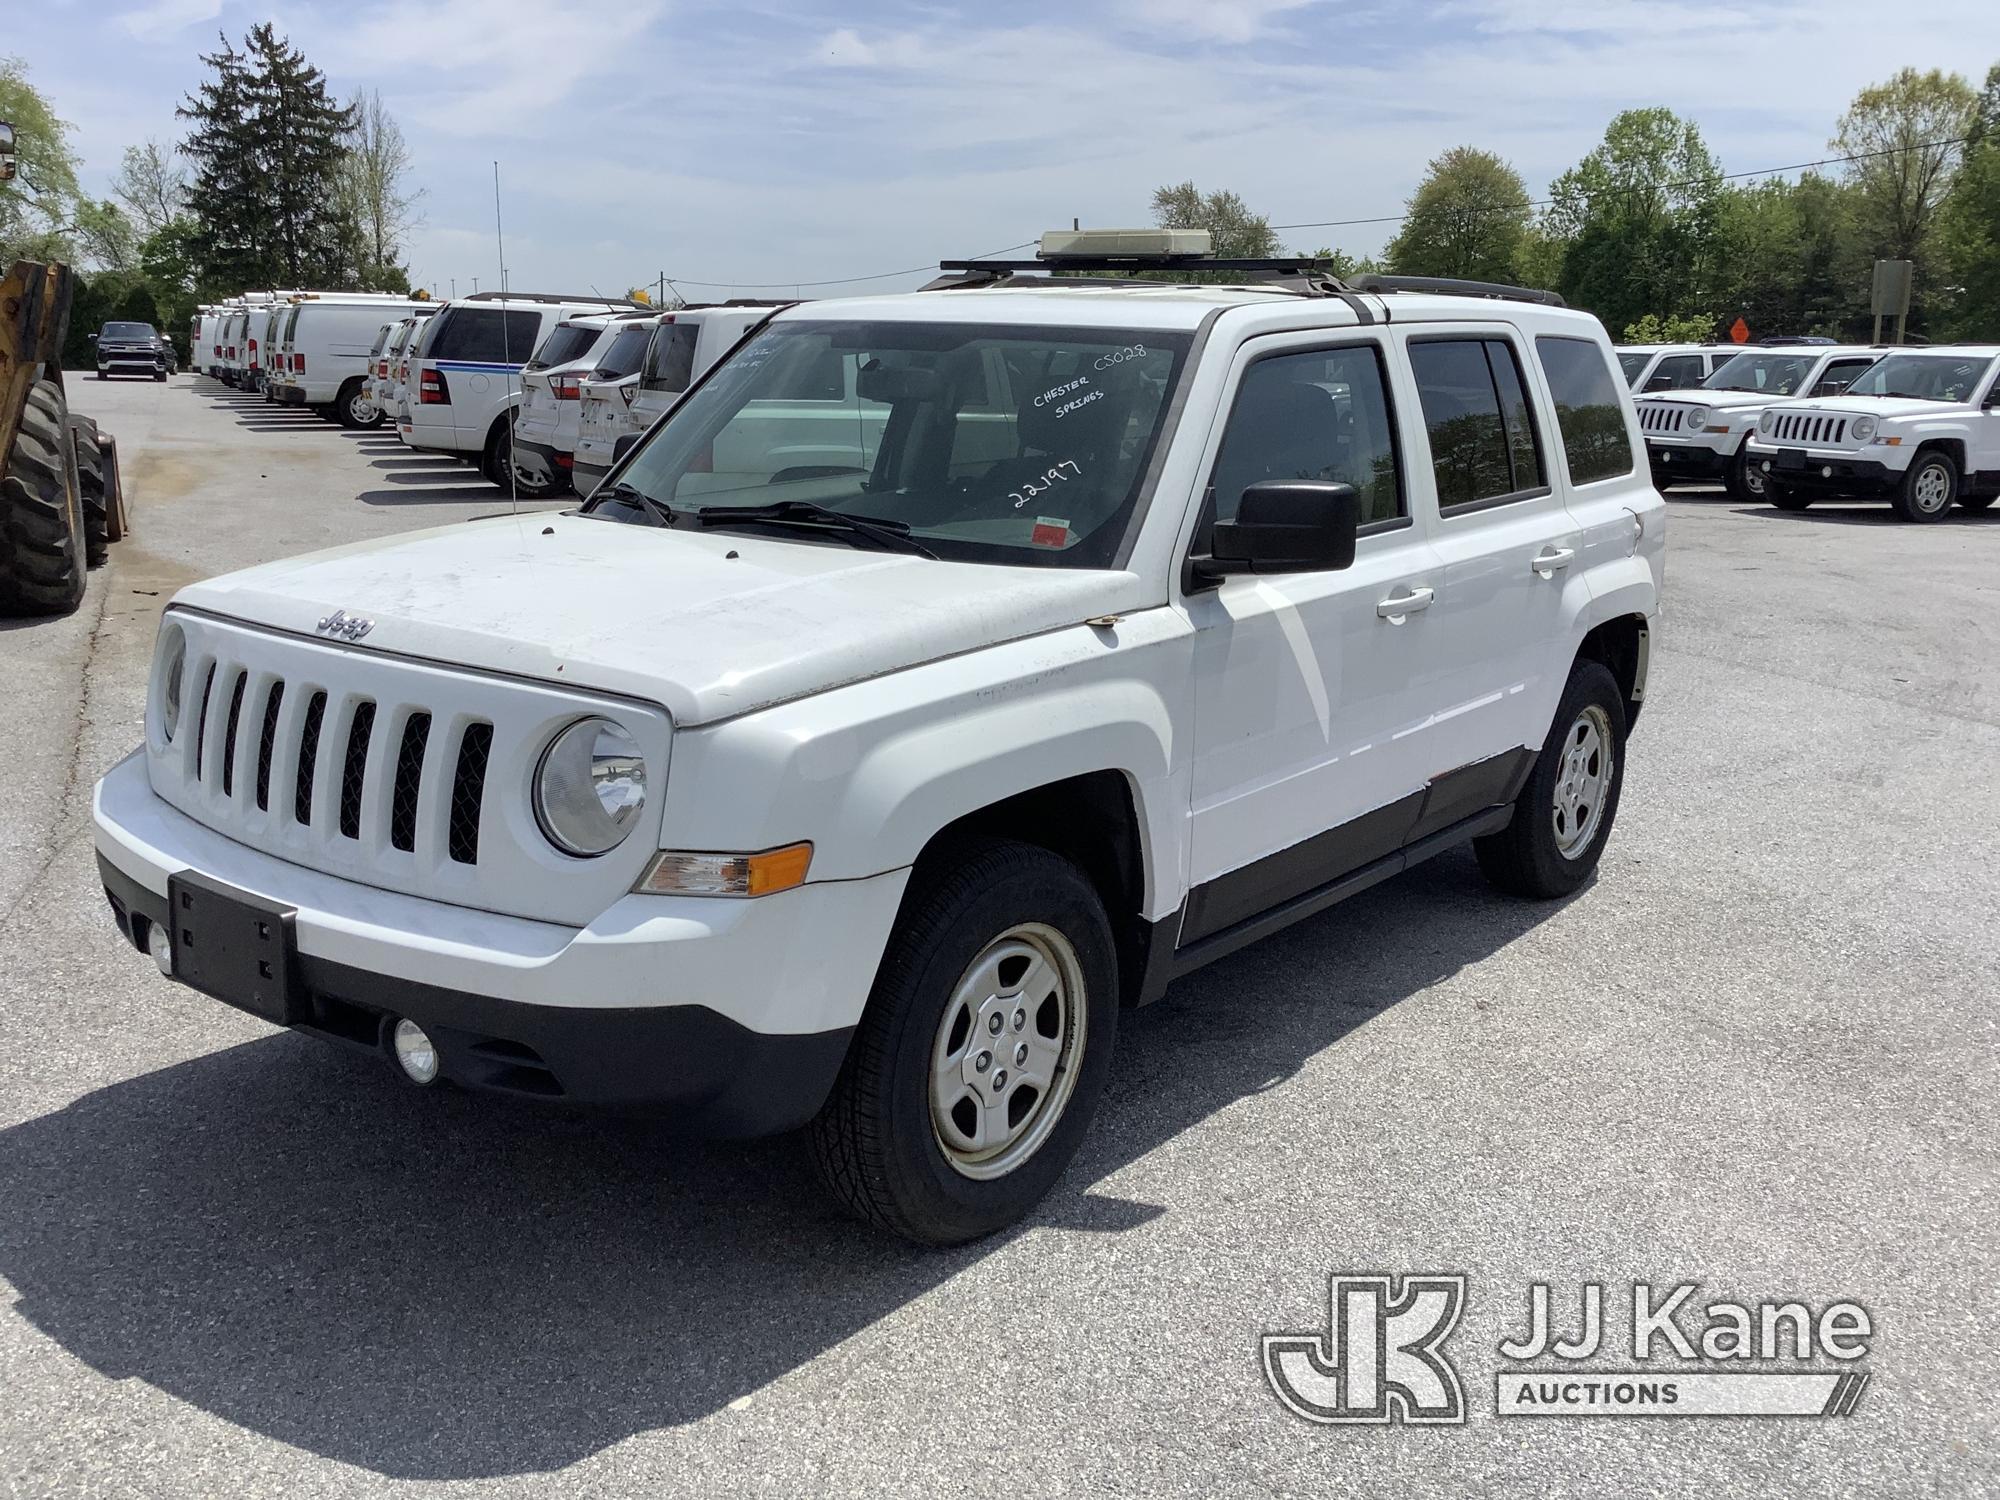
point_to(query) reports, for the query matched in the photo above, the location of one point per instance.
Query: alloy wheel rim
(1583, 780)
(361, 409)
(1753, 480)
(1933, 488)
(1005, 1057)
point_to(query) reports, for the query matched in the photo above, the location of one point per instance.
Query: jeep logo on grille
(347, 627)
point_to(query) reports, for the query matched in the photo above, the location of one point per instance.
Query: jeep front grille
(1817, 429)
(1664, 419)
(389, 772)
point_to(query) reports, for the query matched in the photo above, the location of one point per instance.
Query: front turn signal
(676, 872)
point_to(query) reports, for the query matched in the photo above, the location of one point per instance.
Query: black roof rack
(542, 297)
(1300, 275)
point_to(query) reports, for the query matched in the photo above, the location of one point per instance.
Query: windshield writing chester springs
(1022, 445)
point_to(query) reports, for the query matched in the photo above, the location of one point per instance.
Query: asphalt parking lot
(1758, 1053)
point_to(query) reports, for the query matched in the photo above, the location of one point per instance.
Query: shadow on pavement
(441, 1286)
(1867, 513)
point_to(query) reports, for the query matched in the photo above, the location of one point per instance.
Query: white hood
(1880, 406)
(1719, 400)
(706, 624)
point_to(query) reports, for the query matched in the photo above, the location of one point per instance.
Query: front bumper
(1828, 473)
(1689, 461)
(725, 1017)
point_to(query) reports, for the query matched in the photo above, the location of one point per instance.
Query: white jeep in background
(1920, 429)
(1701, 435)
(1666, 367)
(943, 673)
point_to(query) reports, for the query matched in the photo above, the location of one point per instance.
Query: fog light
(1826, 472)
(416, 1054)
(160, 943)
(1765, 466)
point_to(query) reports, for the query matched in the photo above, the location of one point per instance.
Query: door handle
(1550, 558)
(1398, 605)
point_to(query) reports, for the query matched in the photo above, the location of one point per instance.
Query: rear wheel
(42, 559)
(1929, 487)
(1563, 816)
(497, 464)
(979, 1060)
(355, 408)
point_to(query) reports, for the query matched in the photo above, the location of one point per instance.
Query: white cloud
(163, 18)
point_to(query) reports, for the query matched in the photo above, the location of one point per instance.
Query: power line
(1801, 166)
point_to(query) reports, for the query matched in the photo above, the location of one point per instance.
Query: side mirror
(1286, 526)
(1660, 383)
(90, 338)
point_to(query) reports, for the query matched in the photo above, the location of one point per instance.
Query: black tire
(101, 375)
(1929, 487)
(1976, 502)
(90, 484)
(875, 1141)
(1783, 496)
(351, 396)
(498, 460)
(1526, 858)
(42, 561)
(161, 376)
(1744, 482)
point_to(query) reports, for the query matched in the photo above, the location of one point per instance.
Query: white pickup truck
(1921, 429)
(1100, 629)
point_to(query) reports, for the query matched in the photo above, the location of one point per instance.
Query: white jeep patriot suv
(1920, 429)
(943, 673)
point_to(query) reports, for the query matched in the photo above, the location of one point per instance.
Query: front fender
(871, 771)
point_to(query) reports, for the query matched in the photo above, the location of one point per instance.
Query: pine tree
(267, 144)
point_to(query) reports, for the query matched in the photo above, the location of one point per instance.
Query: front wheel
(1744, 480)
(1929, 487)
(979, 1060)
(497, 464)
(1783, 496)
(1563, 816)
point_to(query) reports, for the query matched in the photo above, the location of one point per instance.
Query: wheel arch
(1623, 646)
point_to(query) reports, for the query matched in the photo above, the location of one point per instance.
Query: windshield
(1000, 444)
(567, 341)
(1772, 374)
(1924, 377)
(1634, 365)
(128, 331)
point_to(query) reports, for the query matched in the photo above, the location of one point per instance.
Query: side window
(1594, 434)
(1482, 436)
(1320, 414)
(486, 335)
(1677, 372)
(1839, 375)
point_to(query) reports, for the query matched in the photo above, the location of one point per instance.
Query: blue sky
(772, 142)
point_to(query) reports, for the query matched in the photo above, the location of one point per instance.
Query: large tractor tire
(90, 478)
(42, 548)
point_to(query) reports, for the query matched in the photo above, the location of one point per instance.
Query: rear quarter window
(1588, 416)
(484, 335)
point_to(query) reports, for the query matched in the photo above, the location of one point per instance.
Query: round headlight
(1695, 418)
(590, 787)
(1863, 429)
(173, 667)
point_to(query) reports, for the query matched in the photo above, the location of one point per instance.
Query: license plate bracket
(1791, 458)
(234, 946)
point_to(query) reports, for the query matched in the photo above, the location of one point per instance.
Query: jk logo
(1379, 1359)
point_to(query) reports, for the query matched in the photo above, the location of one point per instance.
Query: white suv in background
(1665, 367)
(620, 402)
(1105, 630)
(1920, 429)
(545, 428)
(1701, 435)
(465, 381)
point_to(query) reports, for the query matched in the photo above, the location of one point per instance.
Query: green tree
(377, 203)
(1236, 233)
(1636, 219)
(1343, 266)
(1905, 135)
(1969, 226)
(38, 208)
(1654, 329)
(1791, 258)
(1468, 219)
(151, 186)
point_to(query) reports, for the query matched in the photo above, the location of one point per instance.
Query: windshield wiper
(806, 516)
(637, 499)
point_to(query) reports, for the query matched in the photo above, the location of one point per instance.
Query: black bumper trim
(1690, 462)
(686, 1064)
(1850, 475)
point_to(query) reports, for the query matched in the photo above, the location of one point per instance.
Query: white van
(620, 402)
(325, 349)
(466, 379)
(199, 339)
(545, 428)
(384, 380)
